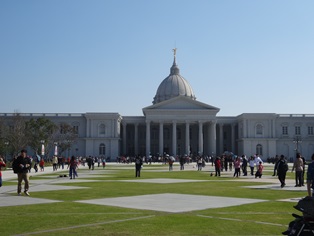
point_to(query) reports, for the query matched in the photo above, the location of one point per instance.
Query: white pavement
(159, 202)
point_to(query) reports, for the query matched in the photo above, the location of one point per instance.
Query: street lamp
(42, 148)
(56, 149)
(6, 144)
(296, 141)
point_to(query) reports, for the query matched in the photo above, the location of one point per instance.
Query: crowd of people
(240, 165)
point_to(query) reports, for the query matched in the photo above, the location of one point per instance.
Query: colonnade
(206, 131)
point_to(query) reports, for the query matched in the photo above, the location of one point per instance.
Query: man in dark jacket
(138, 166)
(282, 168)
(22, 164)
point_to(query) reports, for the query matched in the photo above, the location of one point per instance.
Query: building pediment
(180, 105)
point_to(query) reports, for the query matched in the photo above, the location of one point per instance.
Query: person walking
(138, 166)
(298, 166)
(244, 165)
(73, 167)
(2, 164)
(282, 168)
(22, 166)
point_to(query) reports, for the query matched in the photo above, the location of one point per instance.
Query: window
(102, 129)
(75, 129)
(285, 130)
(102, 149)
(310, 130)
(259, 129)
(297, 130)
(259, 149)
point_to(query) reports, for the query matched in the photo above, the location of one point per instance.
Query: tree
(40, 130)
(17, 134)
(65, 137)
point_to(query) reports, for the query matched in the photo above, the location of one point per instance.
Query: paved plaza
(166, 202)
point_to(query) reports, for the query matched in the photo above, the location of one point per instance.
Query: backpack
(283, 166)
(15, 166)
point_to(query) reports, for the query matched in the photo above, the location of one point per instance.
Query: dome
(174, 85)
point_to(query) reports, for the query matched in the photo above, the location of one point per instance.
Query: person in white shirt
(252, 164)
(257, 161)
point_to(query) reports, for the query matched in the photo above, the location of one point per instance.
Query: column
(124, 138)
(136, 138)
(200, 138)
(161, 138)
(147, 138)
(232, 137)
(174, 138)
(221, 138)
(212, 134)
(187, 138)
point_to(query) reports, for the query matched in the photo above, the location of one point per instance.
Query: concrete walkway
(165, 202)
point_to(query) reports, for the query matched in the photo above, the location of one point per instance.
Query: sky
(78, 56)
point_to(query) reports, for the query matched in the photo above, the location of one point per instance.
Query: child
(103, 163)
(259, 171)
(42, 164)
(2, 164)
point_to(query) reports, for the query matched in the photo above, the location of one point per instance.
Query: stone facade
(178, 124)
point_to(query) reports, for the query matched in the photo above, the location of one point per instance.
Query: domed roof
(174, 85)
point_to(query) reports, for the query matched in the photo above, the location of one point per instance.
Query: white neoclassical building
(177, 124)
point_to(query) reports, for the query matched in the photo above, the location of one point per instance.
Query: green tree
(16, 134)
(65, 138)
(41, 130)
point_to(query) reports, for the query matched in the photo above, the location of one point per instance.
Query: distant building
(177, 124)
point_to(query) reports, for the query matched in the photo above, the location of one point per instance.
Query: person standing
(138, 166)
(182, 162)
(252, 165)
(55, 163)
(282, 168)
(217, 166)
(298, 166)
(22, 164)
(303, 172)
(199, 163)
(310, 178)
(237, 166)
(244, 165)
(2, 164)
(42, 164)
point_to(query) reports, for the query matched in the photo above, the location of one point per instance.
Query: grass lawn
(68, 217)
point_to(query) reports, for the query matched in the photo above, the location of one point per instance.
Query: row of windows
(297, 130)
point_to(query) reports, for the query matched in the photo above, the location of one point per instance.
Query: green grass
(70, 218)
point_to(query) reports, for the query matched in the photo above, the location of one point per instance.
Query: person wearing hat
(23, 164)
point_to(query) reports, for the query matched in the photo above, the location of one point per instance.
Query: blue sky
(78, 56)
